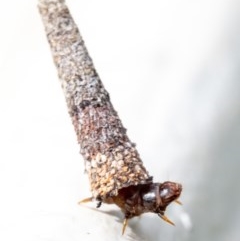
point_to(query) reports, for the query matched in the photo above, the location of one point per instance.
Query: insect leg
(178, 202)
(125, 222)
(165, 218)
(86, 200)
(90, 199)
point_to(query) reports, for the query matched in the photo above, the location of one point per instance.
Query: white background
(172, 70)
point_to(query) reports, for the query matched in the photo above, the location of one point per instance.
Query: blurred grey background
(172, 70)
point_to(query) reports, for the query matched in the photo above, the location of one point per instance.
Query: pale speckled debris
(111, 159)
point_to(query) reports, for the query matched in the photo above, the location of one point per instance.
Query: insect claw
(99, 204)
(125, 222)
(178, 202)
(165, 218)
(86, 200)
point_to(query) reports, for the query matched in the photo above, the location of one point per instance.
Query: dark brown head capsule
(152, 197)
(143, 198)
